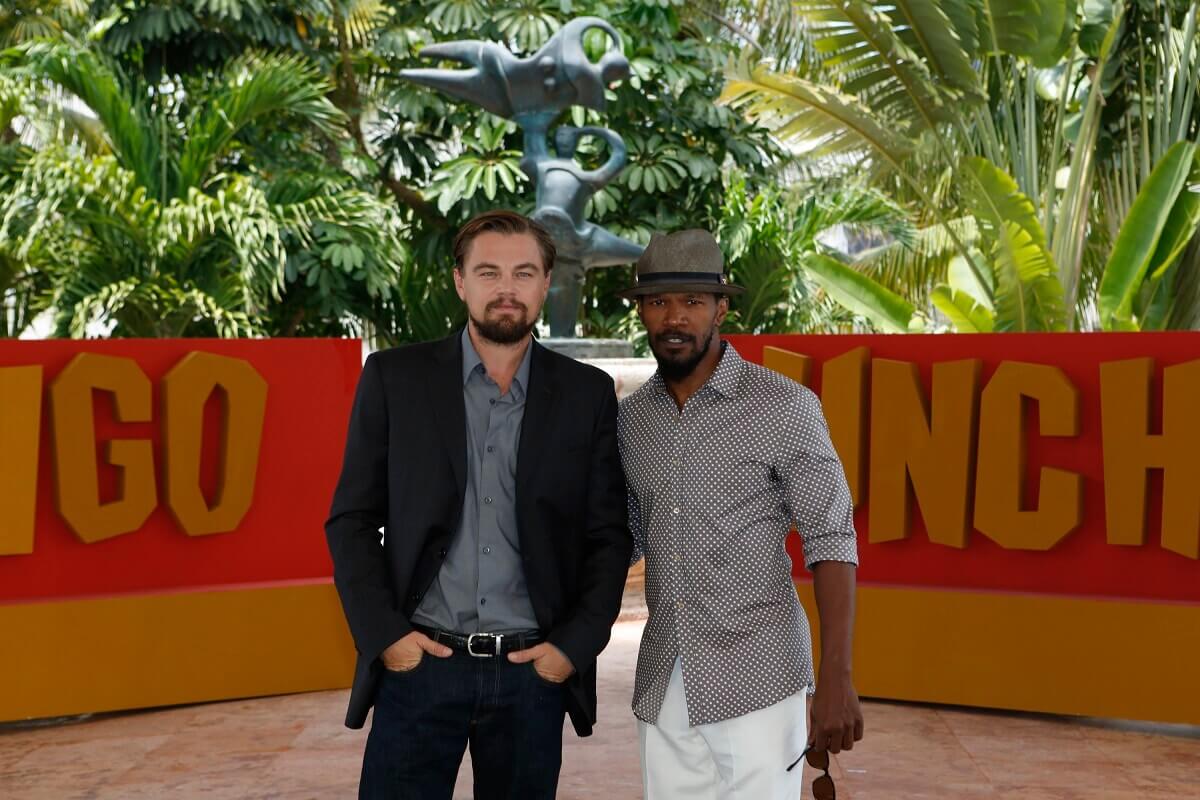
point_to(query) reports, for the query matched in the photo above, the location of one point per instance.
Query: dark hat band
(680, 277)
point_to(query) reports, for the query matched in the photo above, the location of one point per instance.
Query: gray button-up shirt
(713, 492)
(481, 586)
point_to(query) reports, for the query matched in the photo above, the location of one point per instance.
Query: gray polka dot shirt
(713, 493)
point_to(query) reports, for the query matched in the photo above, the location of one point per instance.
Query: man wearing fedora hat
(722, 457)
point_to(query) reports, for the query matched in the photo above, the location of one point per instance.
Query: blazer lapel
(539, 408)
(446, 395)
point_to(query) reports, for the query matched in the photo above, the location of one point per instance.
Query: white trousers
(744, 758)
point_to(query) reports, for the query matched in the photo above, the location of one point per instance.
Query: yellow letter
(1000, 480)
(1130, 450)
(934, 450)
(844, 398)
(77, 489)
(20, 423)
(789, 364)
(186, 389)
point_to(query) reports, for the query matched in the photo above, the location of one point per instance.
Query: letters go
(184, 392)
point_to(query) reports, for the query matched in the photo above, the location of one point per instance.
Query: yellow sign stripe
(1066, 655)
(140, 651)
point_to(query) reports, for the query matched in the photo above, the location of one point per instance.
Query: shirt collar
(471, 362)
(725, 377)
(723, 381)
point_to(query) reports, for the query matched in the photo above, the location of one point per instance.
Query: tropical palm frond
(83, 309)
(863, 47)
(814, 119)
(231, 239)
(773, 28)
(100, 84)
(912, 271)
(1012, 26)
(1185, 295)
(886, 310)
(966, 313)
(20, 25)
(452, 16)
(364, 19)
(528, 24)
(99, 192)
(858, 211)
(240, 212)
(25, 283)
(355, 233)
(159, 307)
(254, 87)
(16, 97)
(945, 35)
(1028, 294)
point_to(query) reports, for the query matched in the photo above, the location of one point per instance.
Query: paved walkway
(296, 747)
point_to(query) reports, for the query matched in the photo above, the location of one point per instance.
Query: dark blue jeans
(424, 720)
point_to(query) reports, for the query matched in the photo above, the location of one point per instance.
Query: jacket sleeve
(607, 546)
(358, 513)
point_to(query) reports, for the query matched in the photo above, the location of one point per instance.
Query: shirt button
(493, 402)
(679, 605)
(483, 601)
(676, 556)
(490, 448)
(674, 510)
(487, 551)
(487, 501)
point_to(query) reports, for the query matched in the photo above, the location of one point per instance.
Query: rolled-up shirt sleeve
(814, 483)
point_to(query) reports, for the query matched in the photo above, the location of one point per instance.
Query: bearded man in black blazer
(490, 466)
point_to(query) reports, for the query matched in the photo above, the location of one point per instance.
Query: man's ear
(458, 284)
(722, 309)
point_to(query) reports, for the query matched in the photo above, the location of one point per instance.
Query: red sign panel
(309, 387)
(1085, 562)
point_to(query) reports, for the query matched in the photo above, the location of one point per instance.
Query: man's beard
(676, 368)
(504, 329)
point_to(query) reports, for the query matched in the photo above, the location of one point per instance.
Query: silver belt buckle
(494, 637)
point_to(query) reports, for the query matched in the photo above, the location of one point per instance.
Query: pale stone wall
(627, 373)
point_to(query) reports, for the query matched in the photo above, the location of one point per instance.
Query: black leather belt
(482, 645)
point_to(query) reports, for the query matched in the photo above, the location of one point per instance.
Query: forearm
(834, 586)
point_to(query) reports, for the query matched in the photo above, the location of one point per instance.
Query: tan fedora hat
(684, 261)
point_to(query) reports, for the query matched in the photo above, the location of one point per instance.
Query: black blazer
(405, 471)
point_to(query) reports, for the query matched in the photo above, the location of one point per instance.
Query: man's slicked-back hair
(506, 222)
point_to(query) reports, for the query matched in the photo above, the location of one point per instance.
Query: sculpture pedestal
(628, 374)
(588, 349)
(562, 303)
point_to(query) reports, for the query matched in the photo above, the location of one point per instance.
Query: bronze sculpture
(533, 91)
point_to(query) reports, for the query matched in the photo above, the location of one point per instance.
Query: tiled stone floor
(296, 747)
